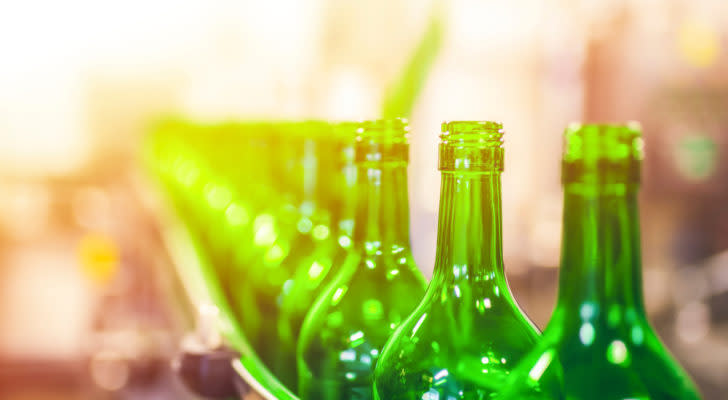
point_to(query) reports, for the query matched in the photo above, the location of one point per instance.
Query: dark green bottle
(377, 286)
(468, 332)
(599, 343)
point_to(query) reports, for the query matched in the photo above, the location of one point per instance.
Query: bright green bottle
(599, 344)
(314, 272)
(468, 332)
(377, 286)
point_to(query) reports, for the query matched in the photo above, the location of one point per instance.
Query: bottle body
(457, 350)
(378, 284)
(599, 343)
(294, 232)
(316, 270)
(345, 331)
(468, 332)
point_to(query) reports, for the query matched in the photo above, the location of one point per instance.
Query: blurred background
(90, 306)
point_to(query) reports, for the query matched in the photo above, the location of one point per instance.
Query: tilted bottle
(599, 343)
(468, 332)
(377, 286)
(317, 270)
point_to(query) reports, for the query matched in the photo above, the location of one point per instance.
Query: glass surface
(467, 333)
(378, 284)
(334, 193)
(297, 233)
(599, 343)
(180, 156)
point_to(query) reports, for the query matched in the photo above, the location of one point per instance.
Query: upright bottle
(302, 238)
(316, 271)
(377, 286)
(599, 344)
(310, 268)
(468, 332)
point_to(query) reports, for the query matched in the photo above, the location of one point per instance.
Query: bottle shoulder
(359, 308)
(364, 295)
(453, 347)
(596, 362)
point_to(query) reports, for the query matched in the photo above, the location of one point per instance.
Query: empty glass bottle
(599, 344)
(299, 230)
(467, 333)
(377, 286)
(308, 266)
(316, 271)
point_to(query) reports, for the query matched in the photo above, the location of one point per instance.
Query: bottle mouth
(602, 153)
(384, 140)
(474, 146)
(485, 132)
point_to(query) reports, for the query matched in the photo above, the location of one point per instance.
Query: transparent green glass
(298, 232)
(599, 343)
(316, 271)
(467, 332)
(176, 154)
(377, 286)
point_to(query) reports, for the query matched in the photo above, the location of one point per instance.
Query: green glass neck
(319, 167)
(469, 238)
(600, 260)
(382, 206)
(346, 196)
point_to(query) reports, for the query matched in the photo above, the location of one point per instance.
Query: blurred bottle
(316, 270)
(599, 344)
(221, 181)
(295, 233)
(377, 286)
(467, 333)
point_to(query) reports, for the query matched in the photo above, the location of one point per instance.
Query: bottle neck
(382, 206)
(346, 209)
(319, 176)
(600, 259)
(469, 238)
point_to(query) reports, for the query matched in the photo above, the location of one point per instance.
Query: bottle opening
(475, 146)
(476, 130)
(602, 153)
(384, 140)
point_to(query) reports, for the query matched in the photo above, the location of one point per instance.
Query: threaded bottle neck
(385, 140)
(471, 146)
(382, 216)
(602, 154)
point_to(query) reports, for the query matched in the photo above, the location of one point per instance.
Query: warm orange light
(99, 258)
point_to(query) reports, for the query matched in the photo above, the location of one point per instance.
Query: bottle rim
(384, 130)
(471, 146)
(382, 140)
(451, 128)
(602, 153)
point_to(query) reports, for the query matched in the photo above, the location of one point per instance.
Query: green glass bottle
(377, 286)
(468, 332)
(306, 237)
(599, 343)
(312, 257)
(259, 269)
(313, 273)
